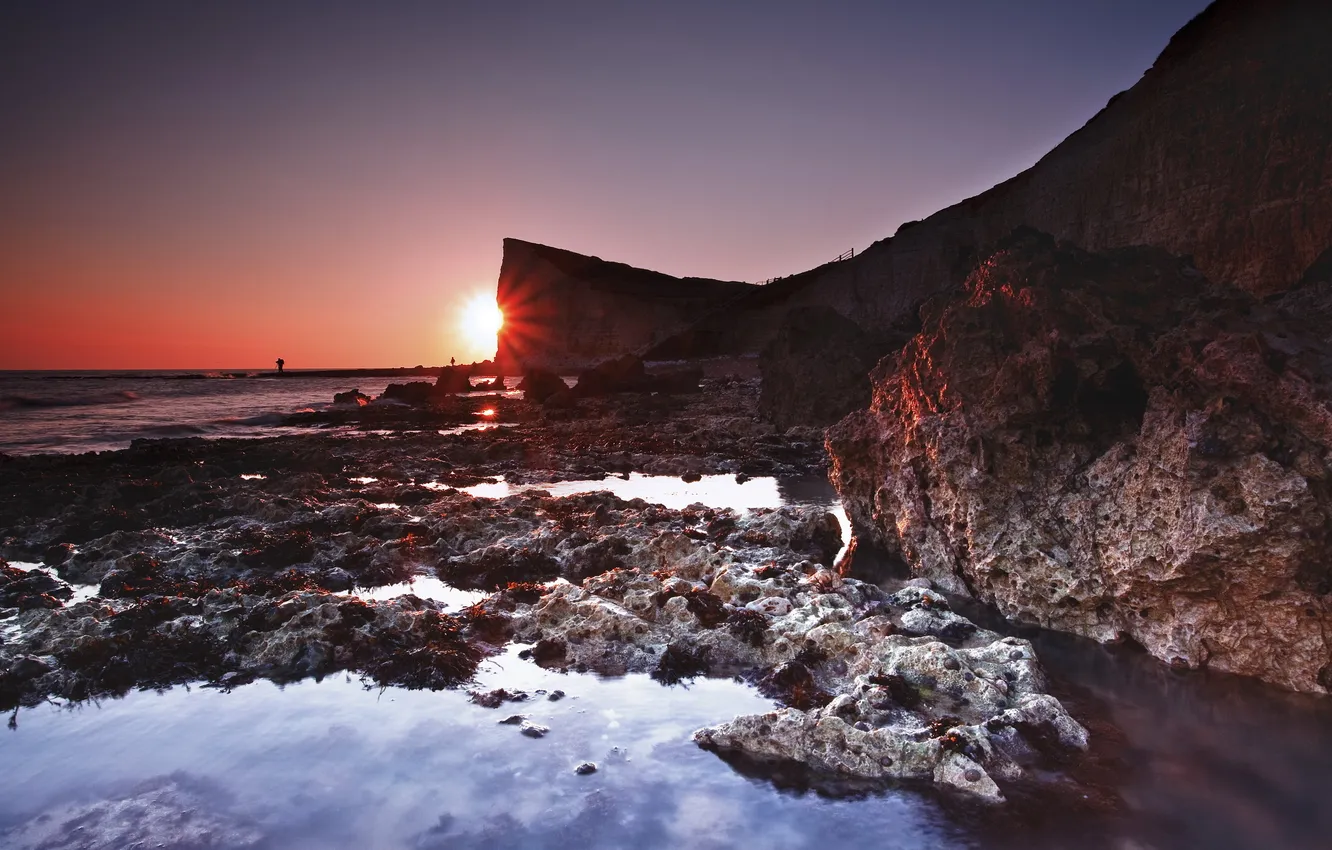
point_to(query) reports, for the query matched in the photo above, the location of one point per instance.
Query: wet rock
(585, 769)
(414, 393)
(30, 589)
(494, 567)
(680, 662)
(161, 641)
(1110, 445)
(353, 398)
(832, 667)
(497, 697)
(533, 730)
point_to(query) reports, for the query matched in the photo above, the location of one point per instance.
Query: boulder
(628, 374)
(1110, 445)
(453, 379)
(355, 398)
(816, 369)
(538, 385)
(620, 375)
(417, 392)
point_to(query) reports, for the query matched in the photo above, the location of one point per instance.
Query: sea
(71, 412)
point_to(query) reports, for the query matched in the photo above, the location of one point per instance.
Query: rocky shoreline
(226, 561)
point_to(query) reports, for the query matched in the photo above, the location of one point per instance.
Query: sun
(481, 320)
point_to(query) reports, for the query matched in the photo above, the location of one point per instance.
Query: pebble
(585, 768)
(972, 775)
(512, 720)
(533, 730)
(951, 663)
(555, 696)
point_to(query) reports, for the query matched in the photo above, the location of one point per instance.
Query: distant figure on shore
(280, 364)
(452, 362)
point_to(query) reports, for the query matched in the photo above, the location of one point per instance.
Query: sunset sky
(216, 184)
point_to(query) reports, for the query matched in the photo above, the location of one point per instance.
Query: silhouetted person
(452, 362)
(280, 364)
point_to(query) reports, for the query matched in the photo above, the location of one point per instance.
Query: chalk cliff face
(568, 311)
(1222, 151)
(1109, 444)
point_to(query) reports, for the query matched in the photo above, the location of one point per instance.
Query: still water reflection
(332, 765)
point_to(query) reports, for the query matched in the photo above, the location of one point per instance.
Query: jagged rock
(1109, 444)
(28, 589)
(864, 698)
(352, 397)
(816, 369)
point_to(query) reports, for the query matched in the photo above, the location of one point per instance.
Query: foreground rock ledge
(875, 685)
(1113, 446)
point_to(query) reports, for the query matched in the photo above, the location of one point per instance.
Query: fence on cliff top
(845, 255)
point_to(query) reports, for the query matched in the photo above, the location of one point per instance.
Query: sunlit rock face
(568, 311)
(1111, 445)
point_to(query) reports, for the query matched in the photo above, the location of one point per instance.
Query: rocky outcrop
(568, 311)
(1111, 445)
(453, 379)
(816, 370)
(1222, 150)
(875, 685)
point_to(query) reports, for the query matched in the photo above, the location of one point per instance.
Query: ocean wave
(177, 430)
(11, 402)
(273, 418)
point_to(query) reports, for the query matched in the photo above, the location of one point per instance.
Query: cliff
(564, 310)
(1222, 151)
(1109, 444)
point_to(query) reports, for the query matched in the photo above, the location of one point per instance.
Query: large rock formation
(1223, 150)
(816, 369)
(565, 311)
(1111, 445)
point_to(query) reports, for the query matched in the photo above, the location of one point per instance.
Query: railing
(845, 255)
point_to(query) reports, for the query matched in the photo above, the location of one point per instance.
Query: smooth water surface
(333, 765)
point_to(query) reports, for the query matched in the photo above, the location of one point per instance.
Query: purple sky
(192, 184)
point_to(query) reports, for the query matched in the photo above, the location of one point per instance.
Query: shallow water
(333, 765)
(715, 491)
